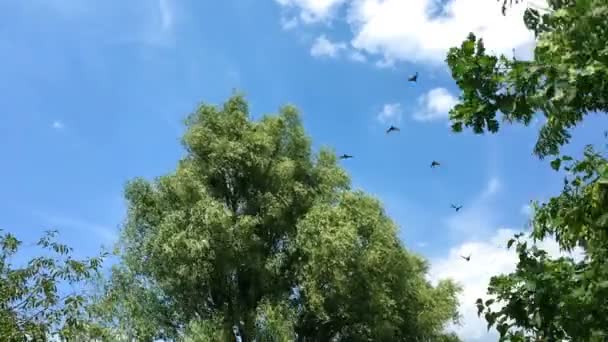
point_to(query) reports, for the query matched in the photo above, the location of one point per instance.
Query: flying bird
(392, 129)
(413, 78)
(346, 156)
(468, 258)
(456, 207)
(435, 163)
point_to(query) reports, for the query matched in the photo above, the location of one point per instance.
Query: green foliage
(561, 299)
(549, 299)
(275, 322)
(128, 307)
(32, 307)
(210, 330)
(566, 80)
(254, 229)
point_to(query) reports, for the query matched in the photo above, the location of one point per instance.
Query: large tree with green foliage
(254, 229)
(33, 306)
(547, 299)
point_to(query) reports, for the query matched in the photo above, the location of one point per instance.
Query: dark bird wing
(467, 258)
(392, 128)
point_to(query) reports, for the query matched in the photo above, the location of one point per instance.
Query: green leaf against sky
(565, 81)
(32, 302)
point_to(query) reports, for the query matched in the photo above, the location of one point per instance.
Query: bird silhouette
(346, 156)
(435, 163)
(392, 129)
(413, 78)
(456, 207)
(468, 258)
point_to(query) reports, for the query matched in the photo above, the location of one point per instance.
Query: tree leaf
(555, 164)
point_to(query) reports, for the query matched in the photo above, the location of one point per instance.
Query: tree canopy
(252, 229)
(549, 299)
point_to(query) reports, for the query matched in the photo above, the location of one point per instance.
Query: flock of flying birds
(434, 163)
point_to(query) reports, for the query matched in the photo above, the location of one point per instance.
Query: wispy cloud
(158, 30)
(435, 105)
(492, 188)
(527, 210)
(390, 113)
(323, 47)
(289, 23)
(477, 218)
(357, 56)
(58, 124)
(312, 11)
(58, 221)
(166, 14)
(385, 63)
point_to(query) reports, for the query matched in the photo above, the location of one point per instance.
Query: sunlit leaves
(254, 229)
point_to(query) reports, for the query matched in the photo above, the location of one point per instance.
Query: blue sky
(94, 93)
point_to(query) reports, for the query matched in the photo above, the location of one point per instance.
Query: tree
(549, 299)
(32, 307)
(563, 298)
(566, 80)
(253, 229)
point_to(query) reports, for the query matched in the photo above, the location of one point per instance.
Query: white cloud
(423, 30)
(391, 113)
(323, 47)
(385, 63)
(488, 258)
(288, 24)
(58, 124)
(408, 30)
(313, 10)
(435, 105)
(357, 56)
